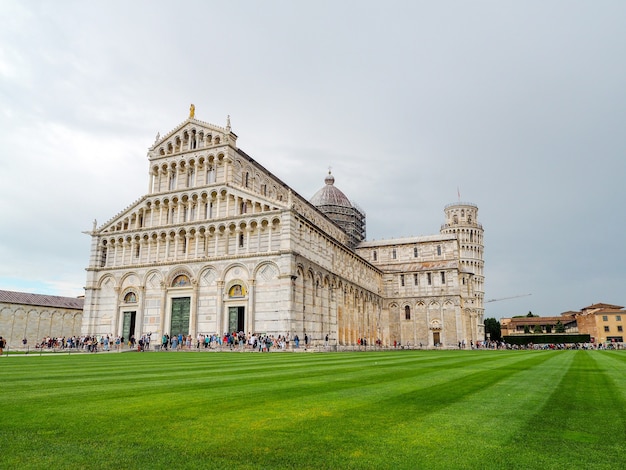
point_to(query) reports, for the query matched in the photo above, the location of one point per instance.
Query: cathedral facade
(219, 244)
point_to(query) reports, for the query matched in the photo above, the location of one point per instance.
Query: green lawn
(396, 410)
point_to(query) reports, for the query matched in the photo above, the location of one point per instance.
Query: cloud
(520, 105)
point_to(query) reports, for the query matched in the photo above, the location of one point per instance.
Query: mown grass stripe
(583, 419)
(452, 409)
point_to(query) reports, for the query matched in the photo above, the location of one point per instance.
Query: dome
(329, 195)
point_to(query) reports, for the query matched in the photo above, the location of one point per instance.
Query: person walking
(2, 345)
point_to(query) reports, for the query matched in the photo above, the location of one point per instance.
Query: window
(619, 328)
(415, 278)
(374, 255)
(402, 280)
(241, 240)
(606, 329)
(415, 252)
(429, 279)
(443, 277)
(618, 318)
(103, 259)
(246, 181)
(137, 251)
(438, 250)
(407, 312)
(605, 318)
(130, 298)
(393, 253)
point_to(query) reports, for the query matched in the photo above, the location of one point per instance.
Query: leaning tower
(462, 221)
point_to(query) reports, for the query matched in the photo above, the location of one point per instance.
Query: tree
(492, 329)
(538, 329)
(530, 314)
(559, 327)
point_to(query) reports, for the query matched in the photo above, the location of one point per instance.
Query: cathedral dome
(329, 195)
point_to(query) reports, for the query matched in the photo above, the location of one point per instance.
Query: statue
(192, 111)
(158, 136)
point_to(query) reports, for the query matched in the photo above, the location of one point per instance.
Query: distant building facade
(544, 325)
(32, 317)
(220, 244)
(604, 323)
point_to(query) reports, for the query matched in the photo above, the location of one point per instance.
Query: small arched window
(374, 255)
(103, 257)
(407, 312)
(438, 250)
(415, 252)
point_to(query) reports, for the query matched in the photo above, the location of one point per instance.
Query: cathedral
(219, 244)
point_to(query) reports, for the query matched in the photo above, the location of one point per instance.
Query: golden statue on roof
(192, 111)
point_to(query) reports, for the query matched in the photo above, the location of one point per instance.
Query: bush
(523, 340)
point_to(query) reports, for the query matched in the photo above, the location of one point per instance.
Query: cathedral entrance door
(236, 319)
(436, 338)
(179, 324)
(128, 328)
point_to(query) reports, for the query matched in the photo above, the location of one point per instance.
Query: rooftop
(26, 298)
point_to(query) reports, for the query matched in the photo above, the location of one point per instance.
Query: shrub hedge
(554, 338)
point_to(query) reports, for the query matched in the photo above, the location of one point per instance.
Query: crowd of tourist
(85, 342)
(228, 341)
(261, 342)
(233, 341)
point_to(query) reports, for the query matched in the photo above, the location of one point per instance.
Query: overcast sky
(519, 106)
